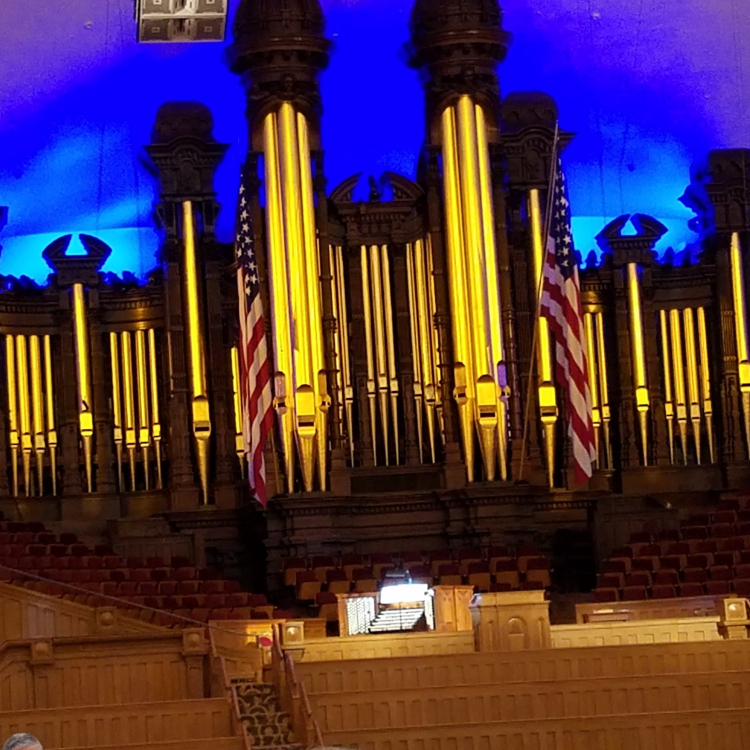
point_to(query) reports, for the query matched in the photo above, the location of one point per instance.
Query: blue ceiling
(649, 86)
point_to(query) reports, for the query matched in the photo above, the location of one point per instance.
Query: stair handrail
(218, 664)
(293, 696)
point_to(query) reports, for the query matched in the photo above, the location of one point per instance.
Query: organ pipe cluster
(596, 359)
(300, 390)
(422, 311)
(31, 412)
(479, 367)
(687, 380)
(135, 406)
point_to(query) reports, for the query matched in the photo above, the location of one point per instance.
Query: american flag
(561, 305)
(255, 369)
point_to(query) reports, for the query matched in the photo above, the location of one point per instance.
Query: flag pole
(535, 338)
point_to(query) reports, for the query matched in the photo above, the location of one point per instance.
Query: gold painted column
(547, 395)
(638, 354)
(196, 346)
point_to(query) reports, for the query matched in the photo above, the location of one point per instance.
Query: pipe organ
(404, 337)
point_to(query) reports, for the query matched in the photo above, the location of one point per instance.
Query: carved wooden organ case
(400, 327)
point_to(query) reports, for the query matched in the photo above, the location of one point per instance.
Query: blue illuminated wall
(648, 87)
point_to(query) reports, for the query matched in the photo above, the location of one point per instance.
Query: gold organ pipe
(24, 409)
(129, 402)
(492, 286)
(196, 348)
(691, 355)
(37, 408)
(239, 439)
(337, 342)
(144, 419)
(546, 388)
(381, 358)
(390, 341)
(10, 372)
(475, 252)
(603, 384)
(155, 418)
(596, 415)
(416, 346)
(50, 396)
(740, 328)
(668, 396)
(705, 374)
(83, 369)
(371, 383)
(679, 378)
(460, 315)
(638, 350)
(280, 296)
(114, 348)
(312, 309)
(436, 376)
(306, 381)
(422, 281)
(346, 374)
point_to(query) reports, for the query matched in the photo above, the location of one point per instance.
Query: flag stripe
(561, 306)
(255, 375)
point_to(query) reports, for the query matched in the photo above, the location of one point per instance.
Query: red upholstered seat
(184, 574)
(689, 588)
(720, 573)
(663, 591)
(666, 577)
(718, 588)
(694, 575)
(606, 595)
(638, 578)
(742, 587)
(212, 587)
(634, 593)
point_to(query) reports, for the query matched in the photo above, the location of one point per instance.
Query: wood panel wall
(98, 671)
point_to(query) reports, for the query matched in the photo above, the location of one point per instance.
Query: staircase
(394, 620)
(265, 722)
(79, 677)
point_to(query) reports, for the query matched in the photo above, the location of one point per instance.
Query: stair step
(261, 714)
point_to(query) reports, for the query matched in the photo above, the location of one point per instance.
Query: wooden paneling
(551, 664)
(101, 726)
(417, 707)
(214, 743)
(705, 730)
(95, 671)
(390, 645)
(649, 609)
(26, 614)
(636, 632)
